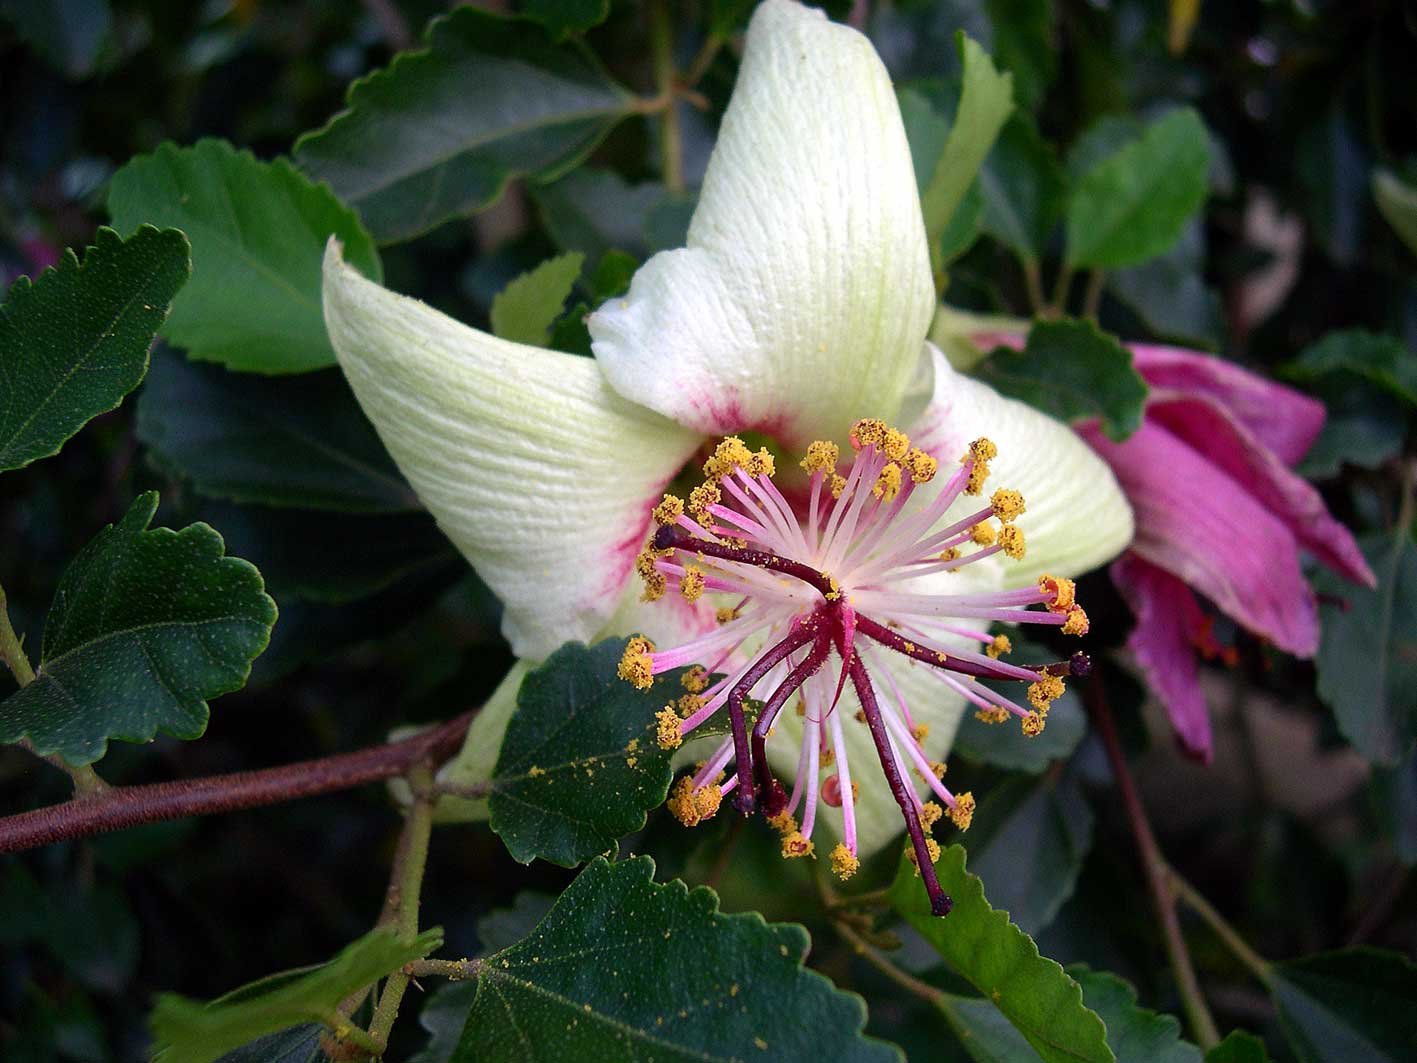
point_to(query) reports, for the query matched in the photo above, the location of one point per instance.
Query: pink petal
(1212, 430)
(1281, 418)
(1196, 522)
(1169, 623)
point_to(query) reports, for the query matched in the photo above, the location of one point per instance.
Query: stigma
(817, 594)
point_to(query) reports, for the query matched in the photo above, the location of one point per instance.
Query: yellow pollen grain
(695, 679)
(993, 714)
(887, 483)
(533, 771)
(700, 498)
(938, 767)
(952, 554)
(681, 802)
(983, 533)
(896, 444)
(983, 449)
(1062, 593)
(1046, 690)
(822, 456)
(732, 453)
(1007, 504)
(1000, 646)
(1011, 536)
(656, 583)
(669, 510)
(932, 847)
(930, 814)
(922, 466)
(688, 704)
(838, 484)
(1032, 725)
(725, 613)
(828, 757)
(796, 845)
(962, 814)
(801, 707)
(1077, 623)
(920, 732)
(667, 728)
(635, 664)
(707, 800)
(691, 583)
(761, 464)
(783, 822)
(867, 432)
(844, 863)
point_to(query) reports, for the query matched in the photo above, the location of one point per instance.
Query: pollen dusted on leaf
(832, 575)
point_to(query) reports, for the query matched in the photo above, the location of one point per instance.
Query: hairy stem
(671, 146)
(120, 807)
(1158, 879)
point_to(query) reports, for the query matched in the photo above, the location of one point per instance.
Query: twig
(1253, 961)
(671, 148)
(1092, 294)
(453, 970)
(120, 807)
(701, 62)
(872, 955)
(1033, 282)
(1154, 864)
(1060, 292)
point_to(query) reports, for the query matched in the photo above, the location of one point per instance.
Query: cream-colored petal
(1077, 517)
(804, 293)
(537, 470)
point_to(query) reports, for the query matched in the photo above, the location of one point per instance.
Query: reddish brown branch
(121, 807)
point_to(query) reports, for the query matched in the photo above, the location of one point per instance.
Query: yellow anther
(1000, 646)
(828, 757)
(844, 862)
(920, 732)
(921, 465)
(993, 714)
(888, 482)
(930, 814)
(1062, 593)
(796, 845)
(867, 432)
(655, 584)
(932, 847)
(1032, 725)
(681, 803)
(1077, 622)
(707, 799)
(895, 443)
(691, 583)
(822, 456)
(838, 484)
(962, 814)
(760, 464)
(938, 767)
(732, 453)
(635, 664)
(695, 679)
(801, 707)
(1044, 692)
(1007, 504)
(700, 498)
(1011, 537)
(726, 613)
(667, 728)
(669, 510)
(783, 822)
(688, 704)
(977, 475)
(983, 533)
(951, 554)
(983, 449)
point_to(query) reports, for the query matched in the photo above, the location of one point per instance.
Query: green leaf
(999, 744)
(1238, 1047)
(300, 442)
(1023, 45)
(624, 968)
(1365, 427)
(1381, 359)
(564, 17)
(1169, 294)
(146, 626)
(195, 1031)
(69, 34)
(985, 102)
(1023, 189)
(580, 765)
(525, 309)
(1135, 1034)
(1003, 963)
(1028, 843)
(297, 1044)
(596, 211)
(258, 233)
(1354, 1004)
(1395, 797)
(440, 132)
(1397, 202)
(1074, 371)
(1099, 142)
(73, 343)
(1133, 205)
(1367, 659)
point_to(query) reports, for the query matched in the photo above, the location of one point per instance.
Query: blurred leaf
(1099, 142)
(1028, 843)
(1073, 371)
(624, 968)
(525, 309)
(1384, 360)
(986, 98)
(70, 34)
(195, 1031)
(999, 744)
(258, 233)
(1003, 963)
(1169, 294)
(1133, 205)
(89, 927)
(580, 765)
(1395, 795)
(1348, 1005)
(76, 341)
(596, 211)
(440, 132)
(1135, 1034)
(1365, 427)
(1397, 201)
(1331, 164)
(729, 16)
(1023, 189)
(1367, 659)
(564, 17)
(502, 928)
(298, 1044)
(146, 626)
(1024, 46)
(303, 442)
(1238, 1047)
(965, 226)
